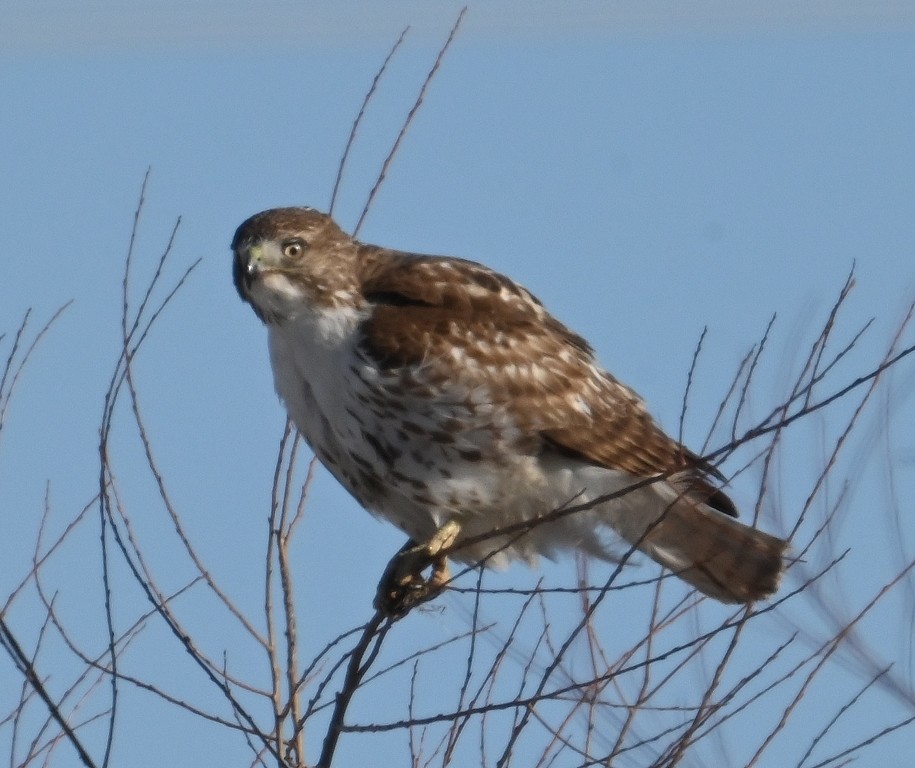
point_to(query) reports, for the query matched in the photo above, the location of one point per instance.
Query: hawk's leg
(403, 585)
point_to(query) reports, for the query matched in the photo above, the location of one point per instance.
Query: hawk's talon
(403, 585)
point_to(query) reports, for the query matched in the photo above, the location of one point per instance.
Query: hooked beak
(246, 269)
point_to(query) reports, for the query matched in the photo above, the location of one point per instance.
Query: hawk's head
(288, 260)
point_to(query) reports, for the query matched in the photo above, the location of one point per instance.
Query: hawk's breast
(407, 445)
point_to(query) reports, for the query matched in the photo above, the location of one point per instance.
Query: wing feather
(459, 321)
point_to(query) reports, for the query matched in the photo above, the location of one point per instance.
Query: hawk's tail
(718, 555)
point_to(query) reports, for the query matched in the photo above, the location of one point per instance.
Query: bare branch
(409, 119)
(365, 102)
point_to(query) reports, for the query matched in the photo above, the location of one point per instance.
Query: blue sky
(646, 173)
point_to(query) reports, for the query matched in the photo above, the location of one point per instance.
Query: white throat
(311, 354)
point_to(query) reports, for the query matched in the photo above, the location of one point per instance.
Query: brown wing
(460, 321)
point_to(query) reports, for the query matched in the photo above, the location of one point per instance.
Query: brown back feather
(423, 305)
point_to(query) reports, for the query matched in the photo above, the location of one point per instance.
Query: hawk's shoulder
(426, 305)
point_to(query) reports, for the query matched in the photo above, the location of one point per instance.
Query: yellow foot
(403, 585)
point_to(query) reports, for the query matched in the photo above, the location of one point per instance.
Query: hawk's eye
(293, 249)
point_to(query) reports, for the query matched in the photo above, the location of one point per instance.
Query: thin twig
(409, 119)
(365, 102)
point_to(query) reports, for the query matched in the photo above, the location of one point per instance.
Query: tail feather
(718, 555)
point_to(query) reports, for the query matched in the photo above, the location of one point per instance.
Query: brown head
(290, 259)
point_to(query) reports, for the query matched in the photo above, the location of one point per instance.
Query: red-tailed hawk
(446, 399)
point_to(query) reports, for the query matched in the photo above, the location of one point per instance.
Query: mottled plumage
(442, 395)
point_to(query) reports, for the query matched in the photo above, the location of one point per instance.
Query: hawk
(446, 399)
